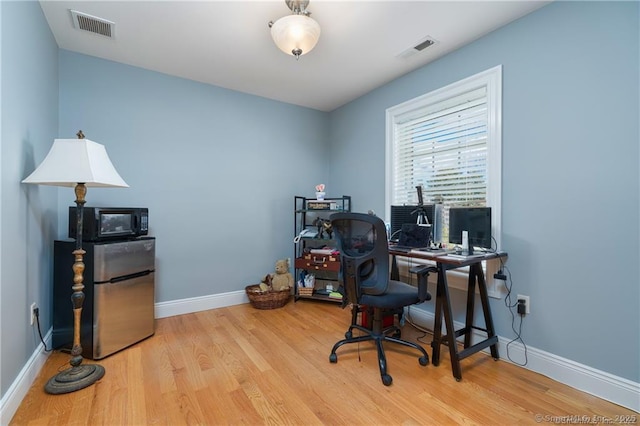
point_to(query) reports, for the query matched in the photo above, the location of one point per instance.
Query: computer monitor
(409, 214)
(415, 235)
(476, 221)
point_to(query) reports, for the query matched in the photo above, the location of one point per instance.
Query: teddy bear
(282, 278)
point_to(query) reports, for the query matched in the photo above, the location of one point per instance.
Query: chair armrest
(422, 271)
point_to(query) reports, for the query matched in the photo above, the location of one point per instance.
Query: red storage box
(366, 317)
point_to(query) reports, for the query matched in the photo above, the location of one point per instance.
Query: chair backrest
(364, 254)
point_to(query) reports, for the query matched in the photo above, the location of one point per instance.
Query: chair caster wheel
(348, 334)
(387, 379)
(423, 361)
(457, 380)
(333, 358)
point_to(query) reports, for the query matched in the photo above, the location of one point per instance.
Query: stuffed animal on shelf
(282, 278)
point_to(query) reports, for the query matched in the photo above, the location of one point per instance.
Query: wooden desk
(443, 307)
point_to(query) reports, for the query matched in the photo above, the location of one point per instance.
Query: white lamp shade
(73, 161)
(295, 32)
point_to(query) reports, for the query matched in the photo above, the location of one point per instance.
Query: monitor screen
(475, 220)
(408, 214)
(414, 235)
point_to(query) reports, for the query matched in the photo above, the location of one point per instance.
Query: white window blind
(443, 147)
(449, 141)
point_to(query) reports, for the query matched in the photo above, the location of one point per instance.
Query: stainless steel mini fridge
(118, 309)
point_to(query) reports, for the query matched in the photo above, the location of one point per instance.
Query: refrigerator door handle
(130, 276)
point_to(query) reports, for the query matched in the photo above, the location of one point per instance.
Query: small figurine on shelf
(323, 225)
(320, 191)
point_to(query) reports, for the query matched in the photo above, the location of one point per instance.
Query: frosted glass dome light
(295, 34)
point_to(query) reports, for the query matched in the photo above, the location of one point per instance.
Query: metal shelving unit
(315, 248)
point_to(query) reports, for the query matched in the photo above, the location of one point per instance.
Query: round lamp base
(74, 378)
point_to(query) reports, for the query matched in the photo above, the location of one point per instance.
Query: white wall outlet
(32, 312)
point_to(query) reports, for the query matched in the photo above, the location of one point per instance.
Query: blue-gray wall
(218, 170)
(28, 214)
(570, 171)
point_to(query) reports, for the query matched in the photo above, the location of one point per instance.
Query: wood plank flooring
(240, 365)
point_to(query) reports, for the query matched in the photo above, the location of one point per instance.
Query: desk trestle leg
(443, 309)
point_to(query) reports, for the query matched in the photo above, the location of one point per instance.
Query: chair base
(378, 335)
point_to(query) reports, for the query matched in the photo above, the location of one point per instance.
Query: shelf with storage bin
(314, 250)
(316, 262)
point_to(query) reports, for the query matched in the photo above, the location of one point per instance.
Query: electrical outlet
(32, 312)
(527, 303)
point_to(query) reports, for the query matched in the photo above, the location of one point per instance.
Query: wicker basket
(267, 299)
(305, 291)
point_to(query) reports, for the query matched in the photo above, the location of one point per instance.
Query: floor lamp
(77, 163)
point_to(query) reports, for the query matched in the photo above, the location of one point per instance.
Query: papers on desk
(454, 256)
(434, 252)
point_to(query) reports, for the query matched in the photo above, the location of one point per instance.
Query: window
(449, 141)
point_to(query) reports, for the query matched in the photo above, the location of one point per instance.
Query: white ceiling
(228, 43)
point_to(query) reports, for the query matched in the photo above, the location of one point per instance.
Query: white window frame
(492, 79)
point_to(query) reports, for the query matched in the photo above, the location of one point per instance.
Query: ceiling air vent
(93, 24)
(418, 47)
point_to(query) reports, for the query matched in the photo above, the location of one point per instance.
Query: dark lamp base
(74, 378)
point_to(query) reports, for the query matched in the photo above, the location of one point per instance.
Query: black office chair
(365, 282)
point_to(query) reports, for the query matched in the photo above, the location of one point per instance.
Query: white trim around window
(491, 80)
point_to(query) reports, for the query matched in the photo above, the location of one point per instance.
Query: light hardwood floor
(240, 365)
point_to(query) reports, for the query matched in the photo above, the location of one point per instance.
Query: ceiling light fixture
(296, 34)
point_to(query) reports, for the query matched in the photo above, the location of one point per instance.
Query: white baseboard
(203, 303)
(595, 382)
(604, 385)
(13, 397)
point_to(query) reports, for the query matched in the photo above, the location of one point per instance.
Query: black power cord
(508, 282)
(36, 313)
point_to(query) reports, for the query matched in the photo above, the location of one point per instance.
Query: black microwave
(108, 223)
